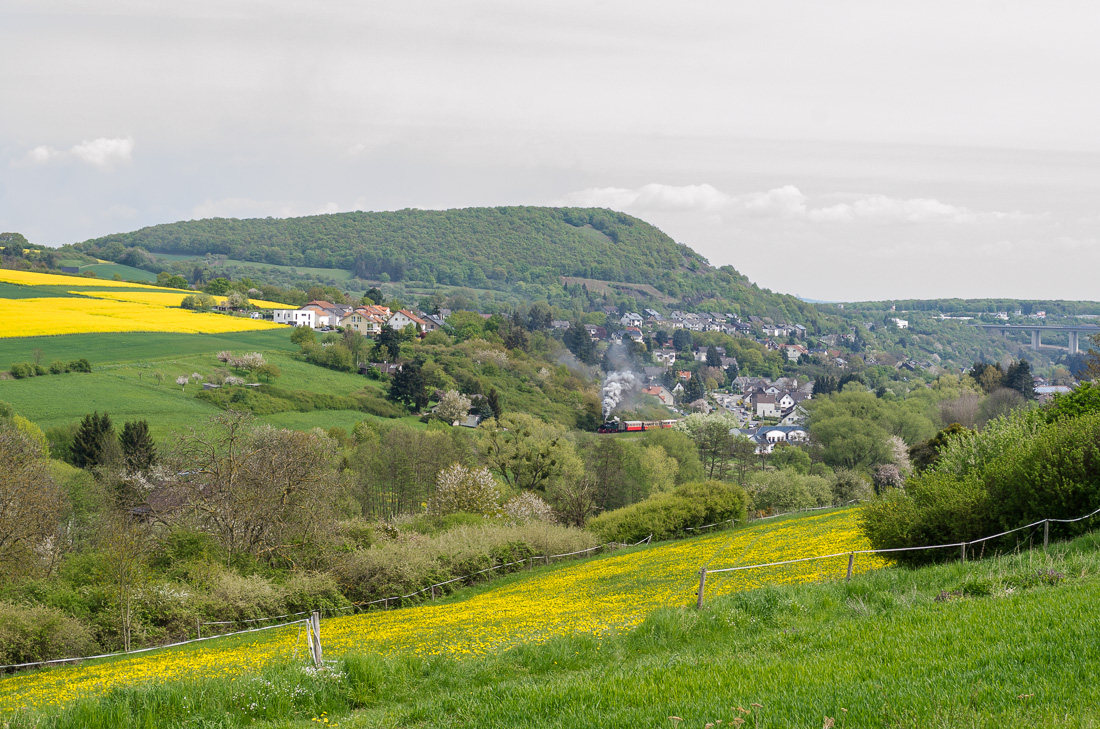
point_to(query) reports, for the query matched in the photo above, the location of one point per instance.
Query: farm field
(597, 597)
(977, 644)
(130, 390)
(138, 346)
(75, 305)
(336, 274)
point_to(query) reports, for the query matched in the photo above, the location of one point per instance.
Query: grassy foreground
(1007, 641)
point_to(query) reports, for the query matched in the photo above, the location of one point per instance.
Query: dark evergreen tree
(409, 387)
(713, 358)
(139, 452)
(493, 400)
(824, 385)
(1018, 377)
(694, 388)
(682, 340)
(389, 342)
(90, 445)
(733, 372)
(578, 342)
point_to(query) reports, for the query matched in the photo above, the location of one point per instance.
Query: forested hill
(524, 250)
(468, 247)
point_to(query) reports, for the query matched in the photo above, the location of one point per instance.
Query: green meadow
(134, 377)
(1008, 641)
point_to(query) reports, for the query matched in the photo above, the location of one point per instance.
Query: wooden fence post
(702, 586)
(198, 627)
(315, 620)
(1046, 534)
(851, 560)
(433, 592)
(963, 551)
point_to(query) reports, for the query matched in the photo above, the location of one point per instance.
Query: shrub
(783, 491)
(80, 365)
(527, 506)
(409, 562)
(40, 633)
(934, 509)
(849, 486)
(458, 488)
(667, 515)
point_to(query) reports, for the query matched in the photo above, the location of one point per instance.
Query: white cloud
(103, 152)
(782, 202)
(242, 207)
(786, 202)
(653, 196)
(883, 209)
(42, 154)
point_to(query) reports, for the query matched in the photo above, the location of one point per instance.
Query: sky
(839, 151)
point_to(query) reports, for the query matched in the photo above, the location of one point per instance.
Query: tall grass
(1011, 641)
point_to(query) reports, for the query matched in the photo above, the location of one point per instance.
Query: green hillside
(454, 247)
(524, 250)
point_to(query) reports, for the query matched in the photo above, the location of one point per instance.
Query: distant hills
(482, 248)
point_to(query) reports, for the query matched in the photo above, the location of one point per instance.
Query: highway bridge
(1037, 331)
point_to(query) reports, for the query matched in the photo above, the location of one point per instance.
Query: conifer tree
(90, 445)
(139, 452)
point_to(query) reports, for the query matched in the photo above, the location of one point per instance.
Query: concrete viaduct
(1075, 333)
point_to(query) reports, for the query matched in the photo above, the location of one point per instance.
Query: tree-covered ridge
(472, 246)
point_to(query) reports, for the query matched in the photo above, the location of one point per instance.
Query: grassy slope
(123, 384)
(879, 652)
(882, 647)
(137, 346)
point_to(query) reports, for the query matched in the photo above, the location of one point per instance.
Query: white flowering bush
(528, 507)
(453, 406)
(461, 489)
(495, 356)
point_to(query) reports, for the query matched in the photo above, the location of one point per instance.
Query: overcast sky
(854, 149)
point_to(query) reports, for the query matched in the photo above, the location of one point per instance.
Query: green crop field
(135, 346)
(128, 273)
(1008, 641)
(337, 274)
(125, 383)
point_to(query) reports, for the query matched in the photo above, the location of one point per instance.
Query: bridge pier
(1074, 342)
(1036, 340)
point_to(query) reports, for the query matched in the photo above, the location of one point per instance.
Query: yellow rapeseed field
(170, 297)
(30, 278)
(82, 315)
(591, 597)
(95, 306)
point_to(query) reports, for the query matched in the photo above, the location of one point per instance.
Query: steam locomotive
(625, 426)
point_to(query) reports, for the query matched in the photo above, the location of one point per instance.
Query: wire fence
(311, 623)
(962, 546)
(436, 589)
(12, 666)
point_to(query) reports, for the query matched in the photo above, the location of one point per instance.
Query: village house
(403, 318)
(296, 317)
(631, 319)
(661, 393)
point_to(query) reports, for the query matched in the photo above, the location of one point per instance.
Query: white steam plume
(616, 388)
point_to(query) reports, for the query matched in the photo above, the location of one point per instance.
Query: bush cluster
(268, 399)
(407, 562)
(1020, 469)
(668, 515)
(19, 370)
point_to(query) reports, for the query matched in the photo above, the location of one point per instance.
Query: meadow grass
(597, 597)
(1009, 641)
(129, 390)
(105, 271)
(138, 346)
